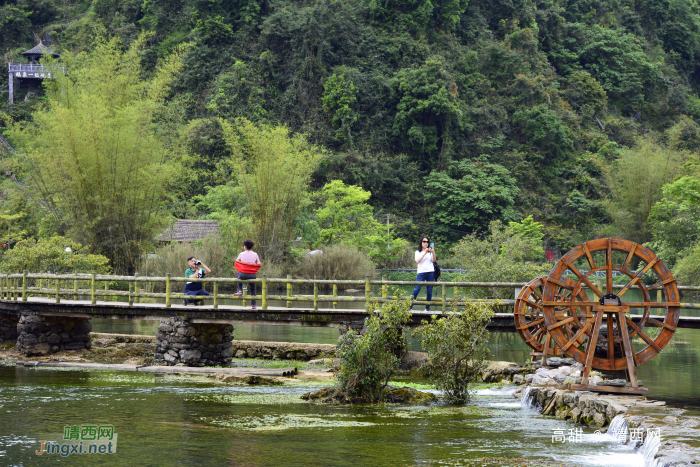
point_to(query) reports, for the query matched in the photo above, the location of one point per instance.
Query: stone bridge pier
(184, 343)
(43, 335)
(8, 327)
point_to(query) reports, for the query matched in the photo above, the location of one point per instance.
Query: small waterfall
(649, 450)
(528, 399)
(617, 426)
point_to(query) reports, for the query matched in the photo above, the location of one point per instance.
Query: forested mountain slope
(452, 113)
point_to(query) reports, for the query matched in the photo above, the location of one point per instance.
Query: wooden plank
(608, 268)
(533, 323)
(561, 323)
(661, 324)
(613, 389)
(580, 332)
(588, 256)
(545, 349)
(625, 265)
(627, 347)
(580, 275)
(561, 284)
(590, 350)
(641, 334)
(611, 342)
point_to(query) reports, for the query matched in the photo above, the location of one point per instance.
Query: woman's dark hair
(420, 243)
(248, 244)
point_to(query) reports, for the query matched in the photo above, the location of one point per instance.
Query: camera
(197, 263)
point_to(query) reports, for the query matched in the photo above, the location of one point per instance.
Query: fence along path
(19, 287)
(80, 294)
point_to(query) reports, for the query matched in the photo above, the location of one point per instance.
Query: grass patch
(284, 422)
(8, 345)
(408, 384)
(263, 363)
(120, 354)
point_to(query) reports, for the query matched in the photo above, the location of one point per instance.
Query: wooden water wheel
(604, 326)
(529, 317)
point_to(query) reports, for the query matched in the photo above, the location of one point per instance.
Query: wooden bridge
(86, 296)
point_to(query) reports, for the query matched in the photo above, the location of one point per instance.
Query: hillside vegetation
(448, 114)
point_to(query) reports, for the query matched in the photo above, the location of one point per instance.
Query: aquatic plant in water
(283, 422)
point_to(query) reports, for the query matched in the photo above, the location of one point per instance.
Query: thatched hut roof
(187, 230)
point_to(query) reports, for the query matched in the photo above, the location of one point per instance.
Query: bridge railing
(20, 287)
(94, 287)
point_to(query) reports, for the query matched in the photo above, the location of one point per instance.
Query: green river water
(181, 421)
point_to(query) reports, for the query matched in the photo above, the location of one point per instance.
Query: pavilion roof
(188, 230)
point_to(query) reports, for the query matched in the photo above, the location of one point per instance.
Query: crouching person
(196, 270)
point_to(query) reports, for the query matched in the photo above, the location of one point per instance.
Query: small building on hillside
(33, 72)
(188, 230)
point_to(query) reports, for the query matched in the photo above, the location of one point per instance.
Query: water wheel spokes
(529, 318)
(601, 318)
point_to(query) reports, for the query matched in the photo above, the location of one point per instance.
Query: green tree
(499, 256)
(546, 138)
(635, 181)
(529, 233)
(585, 94)
(93, 154)
(457, 352)
(368, 359)
(55, 255)
(345, 217)
(273, 168)
(428, 110)
(470, 194)
(338, 100)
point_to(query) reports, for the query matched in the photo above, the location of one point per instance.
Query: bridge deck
(296, 316)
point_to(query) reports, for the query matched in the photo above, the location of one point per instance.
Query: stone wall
(282, 350)
(180, 342)
(43, 335)
(8, 327)
(583, 407)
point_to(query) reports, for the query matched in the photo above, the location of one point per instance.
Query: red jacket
(247, 268)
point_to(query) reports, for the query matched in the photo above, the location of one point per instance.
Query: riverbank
(666, 436)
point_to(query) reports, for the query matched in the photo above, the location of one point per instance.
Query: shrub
(496, 258)
(368, 359)
(49, 255)
(456, 350)
(337, 262)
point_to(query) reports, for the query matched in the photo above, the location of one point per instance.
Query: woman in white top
(425, 255)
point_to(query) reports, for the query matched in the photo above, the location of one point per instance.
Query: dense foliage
(369, 358)
(451, 114)
(456, 346)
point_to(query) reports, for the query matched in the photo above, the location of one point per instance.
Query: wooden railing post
(93, 297)
(131, 292)
(444, 297)
(384, 287)
(58, 289)
(659, 296)
(137, 289)
(24, 286)
(216, 295)
(315, 296)
(335, 294)
(75, 289)
(264, 292)
(289, 290)
(368, 292)
(167, 290)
